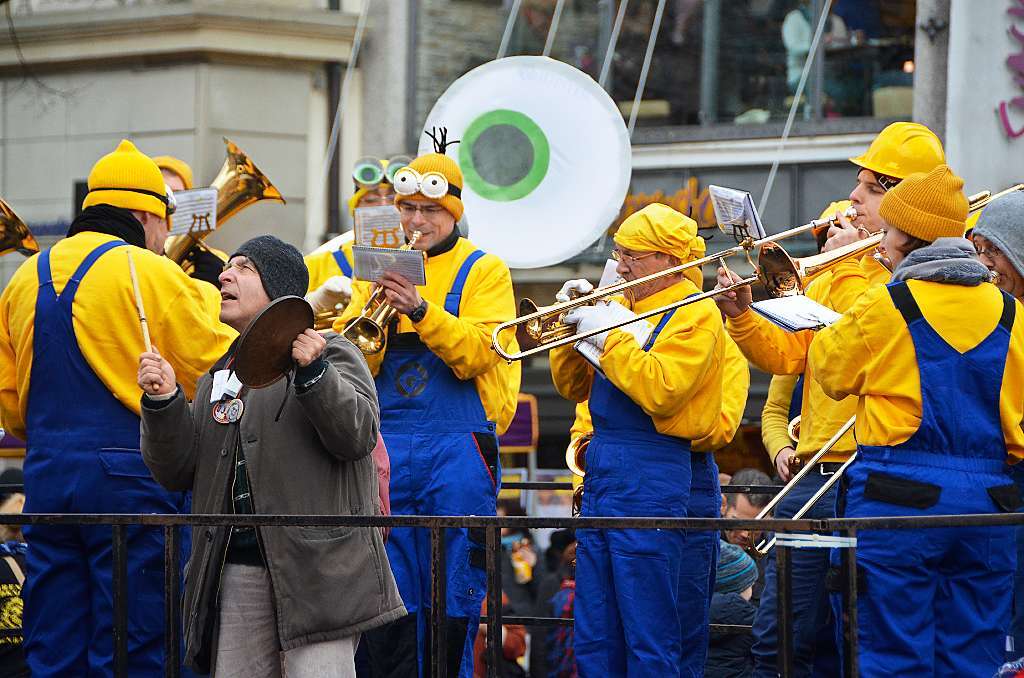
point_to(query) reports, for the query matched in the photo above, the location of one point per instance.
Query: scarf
(947, 260)
(115, 221)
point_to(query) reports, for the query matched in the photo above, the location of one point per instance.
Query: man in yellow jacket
(940, 398)
(898, 151)
(660, 386)
(444, 397)
(705, 492)
(68, 330)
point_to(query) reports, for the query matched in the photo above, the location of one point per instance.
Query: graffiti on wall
(1016, 63)
(691, 200)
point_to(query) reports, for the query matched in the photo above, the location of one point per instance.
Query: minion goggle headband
(368, 172)
(433, 185)
(168, 199)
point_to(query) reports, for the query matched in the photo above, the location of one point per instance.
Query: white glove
(579, 286)
(587, 318)
(336, 290)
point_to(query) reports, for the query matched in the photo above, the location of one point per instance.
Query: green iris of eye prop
(544, 153)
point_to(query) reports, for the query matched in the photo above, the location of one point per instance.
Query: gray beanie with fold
(1002, 222)
(280, 265)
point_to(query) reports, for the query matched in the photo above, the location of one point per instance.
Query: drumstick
(138, 302)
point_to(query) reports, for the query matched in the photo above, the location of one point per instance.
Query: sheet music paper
(370, 263)
(196, 211)
(796, 313)
(736, 208)
(378, 227)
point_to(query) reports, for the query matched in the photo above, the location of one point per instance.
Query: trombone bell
(14, 233)
(576, 454)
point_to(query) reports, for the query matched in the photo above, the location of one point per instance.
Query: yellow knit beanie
(127, 178)
(927, 205)
(179, 167)
(437, 162)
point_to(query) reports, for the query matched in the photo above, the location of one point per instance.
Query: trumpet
(980, 201)
(369, 331)
(541, 329)
(239, 184)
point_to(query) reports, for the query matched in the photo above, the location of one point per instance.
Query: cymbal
(264, 352)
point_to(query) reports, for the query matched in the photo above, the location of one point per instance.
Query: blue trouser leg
(1017, 625)
(697, 575)
(600, 640)
(814, 647)
(933, 602)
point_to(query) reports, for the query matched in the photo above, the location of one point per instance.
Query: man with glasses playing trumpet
(900, 150)
(444, 397)
(659, 387)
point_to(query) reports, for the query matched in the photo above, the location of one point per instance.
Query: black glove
(205, 265)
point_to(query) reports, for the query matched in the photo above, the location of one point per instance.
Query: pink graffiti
(1016, 64)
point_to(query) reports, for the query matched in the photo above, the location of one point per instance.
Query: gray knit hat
(1002, 222)
(279, 264)
(736, 570)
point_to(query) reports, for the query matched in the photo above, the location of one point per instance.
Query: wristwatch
(418, 312)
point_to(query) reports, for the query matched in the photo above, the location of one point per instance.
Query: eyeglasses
(618, 255)
(428, 211)
(241, 265)
(992, 252)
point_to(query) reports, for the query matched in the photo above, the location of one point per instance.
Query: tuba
(369, 331)
(239, 184)
(14, 233)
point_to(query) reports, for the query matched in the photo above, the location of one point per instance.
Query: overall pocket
(898, 491)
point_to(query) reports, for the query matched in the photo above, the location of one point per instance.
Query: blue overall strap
(905, 303)
(454, 298)
(46, 276)
(657, 330)
(346, 268)
(796, 400)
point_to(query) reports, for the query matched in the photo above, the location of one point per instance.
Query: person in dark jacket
(278, 600)
(729, 651)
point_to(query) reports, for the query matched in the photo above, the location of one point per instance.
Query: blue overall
(700, 556)
(444, 461)
(631, 609)
(342, 261)
(83, 457)
(937, 601)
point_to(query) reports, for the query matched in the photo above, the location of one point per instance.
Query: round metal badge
(228, 411)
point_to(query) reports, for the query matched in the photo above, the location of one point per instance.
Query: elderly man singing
(286, 600)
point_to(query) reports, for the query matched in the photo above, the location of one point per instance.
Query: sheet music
(796, 313)
(736, 208)
(378, 227)
(196, 211)
(370, 263)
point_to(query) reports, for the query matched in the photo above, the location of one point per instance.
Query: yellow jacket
(323, 265)
(463, 342)
(885, 377)
(678, 383)
(777, 351)
(735, 385)
(106, 322)
(775, 414)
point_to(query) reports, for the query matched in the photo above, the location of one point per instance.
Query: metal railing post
(494, 647)
(784, 609)
(172, 602)
(439, 605)
(120, 586)
(851, 664)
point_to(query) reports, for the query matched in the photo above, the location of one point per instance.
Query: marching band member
(444, 398)
(898, 151)
(68, 331)
(940, 396)
(652, 400)
(330, 273)
(203, 262)
(274, 600)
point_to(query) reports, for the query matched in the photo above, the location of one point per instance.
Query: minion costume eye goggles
(432, 185)
(368, 172)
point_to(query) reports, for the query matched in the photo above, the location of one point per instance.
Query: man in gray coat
(274, 601)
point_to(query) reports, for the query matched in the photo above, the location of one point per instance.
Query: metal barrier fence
(843, 527)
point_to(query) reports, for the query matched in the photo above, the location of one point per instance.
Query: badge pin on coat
(228, 411)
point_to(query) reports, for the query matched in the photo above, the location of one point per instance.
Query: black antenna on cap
(440, 144)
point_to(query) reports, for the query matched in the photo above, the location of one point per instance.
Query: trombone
(543, 328)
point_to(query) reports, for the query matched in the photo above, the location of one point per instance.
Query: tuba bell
(14, 233)
(239, 184)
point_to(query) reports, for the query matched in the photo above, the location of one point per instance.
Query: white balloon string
(509, 25)
(635, 109)
(770, 182)
(606, 67)
(332, 144)
(553, 29)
